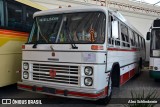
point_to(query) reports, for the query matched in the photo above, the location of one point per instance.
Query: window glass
(136, 38)
(140, 45)
(142, 42)
(124, 36)
(1, 13)
(87, 27)
(15, 15)
(155, 40)
(110, 18)
(29, 18)
(132, 37)
(138, 41)
(112, 40)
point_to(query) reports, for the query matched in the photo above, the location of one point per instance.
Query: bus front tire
(139, 69)
(157, 80)
(105, 101)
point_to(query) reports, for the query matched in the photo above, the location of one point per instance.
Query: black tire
(157, 80)
(105, 101)
(139, 69)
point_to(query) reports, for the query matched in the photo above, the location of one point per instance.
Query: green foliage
(150, 96)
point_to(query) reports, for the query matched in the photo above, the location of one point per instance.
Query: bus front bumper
(154, 74)
(62, 92)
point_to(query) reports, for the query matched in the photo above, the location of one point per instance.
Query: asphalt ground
(140, 84)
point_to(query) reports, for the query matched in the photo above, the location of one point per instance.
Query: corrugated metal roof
(152, 2)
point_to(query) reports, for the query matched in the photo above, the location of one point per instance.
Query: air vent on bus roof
(156, 23)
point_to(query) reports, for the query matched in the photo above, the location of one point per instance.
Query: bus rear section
(154, 37)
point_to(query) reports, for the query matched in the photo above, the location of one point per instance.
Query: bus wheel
(139, 70)
(105, 101)
(157, 80)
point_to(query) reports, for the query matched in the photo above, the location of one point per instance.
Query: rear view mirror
(148, 35)
(115, 29)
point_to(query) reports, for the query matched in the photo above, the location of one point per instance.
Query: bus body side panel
(10, 55)
(155, 71)
(128, 60)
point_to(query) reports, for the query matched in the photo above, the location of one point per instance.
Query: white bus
(80, 53)
(154, 35)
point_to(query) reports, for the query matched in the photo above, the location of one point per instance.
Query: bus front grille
(64, 74)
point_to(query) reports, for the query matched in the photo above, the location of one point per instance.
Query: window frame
(23, 16)
(126, 42)
(2, 18)
(116, 42)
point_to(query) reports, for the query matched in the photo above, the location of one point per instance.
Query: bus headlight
(156, 68)
(25, 66)
(88, 71)
(25, 75)
(151, 67)
(88, 81)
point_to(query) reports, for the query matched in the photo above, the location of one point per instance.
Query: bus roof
(84, 9)
(70, 10)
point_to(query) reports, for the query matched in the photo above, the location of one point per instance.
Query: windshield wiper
(68, 34)
(72, 42)
(74, 46)
(35, 44)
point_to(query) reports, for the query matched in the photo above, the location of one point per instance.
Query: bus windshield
(84, 27)
(155, 39)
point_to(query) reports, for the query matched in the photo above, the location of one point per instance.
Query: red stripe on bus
(132, 73)
(72, 93)
(125, 77)
(117, 49)
(14, 33)
(25, 86)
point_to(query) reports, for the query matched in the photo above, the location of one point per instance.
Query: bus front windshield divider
(41, 32)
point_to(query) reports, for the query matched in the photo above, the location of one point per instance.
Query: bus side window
(15, 15)
(124, 36)
(139, 39)
(1, 13)
(19, 16)
(139, 44)
(144, 44)
(110, 19)
(132, 37)
(112, 40)
(136, 38)
(29, 18)
(117, 39)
